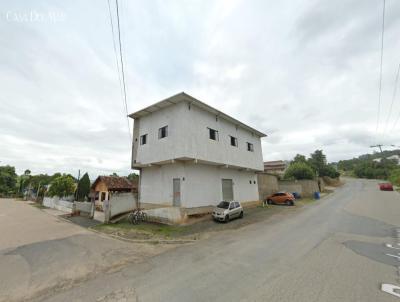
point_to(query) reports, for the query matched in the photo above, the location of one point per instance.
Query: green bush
(299, 170)
(395, 177)
(62, 186)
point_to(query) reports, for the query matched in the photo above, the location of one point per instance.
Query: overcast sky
(304, 72)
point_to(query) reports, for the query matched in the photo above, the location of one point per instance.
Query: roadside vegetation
(28, 186)
(373, 166)
(310, 168)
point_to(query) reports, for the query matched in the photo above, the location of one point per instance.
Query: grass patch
(144, 230)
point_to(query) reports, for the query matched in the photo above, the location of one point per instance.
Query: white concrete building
(191, 155)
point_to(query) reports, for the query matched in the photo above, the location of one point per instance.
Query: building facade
(191, 155)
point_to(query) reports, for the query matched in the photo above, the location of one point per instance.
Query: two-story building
(191, 155)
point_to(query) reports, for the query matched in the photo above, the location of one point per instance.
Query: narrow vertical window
(234, 141)
(163, 132)
(250, 147)
(143, 139)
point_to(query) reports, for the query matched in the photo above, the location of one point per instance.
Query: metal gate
(177, 192)
(227, 189)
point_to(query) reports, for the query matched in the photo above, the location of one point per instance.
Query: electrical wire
(115, 51)
(393, 98)
(380, 72)
(122, 68)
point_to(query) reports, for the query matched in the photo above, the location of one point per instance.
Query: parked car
(387, 186)
(281, 198)
(227, 210)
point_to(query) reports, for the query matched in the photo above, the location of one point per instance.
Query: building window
(213, 134)
(143, 139)
(234, 141)
(163, 132)
(250, 147)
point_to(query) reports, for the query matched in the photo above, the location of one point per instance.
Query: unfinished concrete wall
(121, 203)
(169, 215)
(84, 208)
(267, 184)
(305, 187)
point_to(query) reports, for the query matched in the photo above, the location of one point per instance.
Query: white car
(227, 210)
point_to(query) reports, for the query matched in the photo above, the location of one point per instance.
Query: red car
(387, 186)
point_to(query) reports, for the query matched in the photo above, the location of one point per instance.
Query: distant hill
(378, 165)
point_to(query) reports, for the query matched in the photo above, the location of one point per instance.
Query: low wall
(59, 204)
(267, 184)
(85, 208)
(170, 215)
(119, 203)
(305, 187)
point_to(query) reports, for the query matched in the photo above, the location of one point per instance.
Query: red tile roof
(116, 183)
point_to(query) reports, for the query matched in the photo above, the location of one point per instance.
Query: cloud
(304, 72)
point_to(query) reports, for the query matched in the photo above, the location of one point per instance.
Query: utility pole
(380, 146)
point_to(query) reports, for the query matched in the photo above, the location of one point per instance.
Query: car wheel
(269, 201)
(241, 215)
(227, 218)
(289, 202)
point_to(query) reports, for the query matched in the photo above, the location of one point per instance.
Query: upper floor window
(213, 134)
(143, 139)
(163, 132)
(234, 141)
(250, 147)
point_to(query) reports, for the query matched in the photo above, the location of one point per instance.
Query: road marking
(398, 257)
(391, 289)
(392, 247)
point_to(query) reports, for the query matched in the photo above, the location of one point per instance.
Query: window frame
(235, 140)
(145, 139)
(216, 132)
(160, 131)
(250, 147)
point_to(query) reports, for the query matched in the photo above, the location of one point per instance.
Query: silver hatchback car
(227, 210)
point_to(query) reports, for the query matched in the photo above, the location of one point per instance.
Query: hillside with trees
(373, 166)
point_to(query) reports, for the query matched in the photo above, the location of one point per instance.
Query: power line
(393, 98)
(380, 72)
(115, 48)
(122, 68)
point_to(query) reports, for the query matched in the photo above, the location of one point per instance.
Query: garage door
(227, 189)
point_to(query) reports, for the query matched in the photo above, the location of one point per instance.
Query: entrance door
(227, 189)
(177, 192)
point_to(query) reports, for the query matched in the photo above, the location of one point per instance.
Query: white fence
(59, 204)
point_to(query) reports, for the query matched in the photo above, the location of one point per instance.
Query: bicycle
(137, 216)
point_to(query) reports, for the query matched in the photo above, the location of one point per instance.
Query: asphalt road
(332, 250)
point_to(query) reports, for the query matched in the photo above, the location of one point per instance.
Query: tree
(27, 172)
(62, 186)
(299, 170)
(83, 187)
(8, 180)
(299, 158)
(133, 177)
(317, 161)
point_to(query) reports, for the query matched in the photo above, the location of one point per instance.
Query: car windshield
(223, 205)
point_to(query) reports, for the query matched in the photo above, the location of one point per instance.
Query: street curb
(150, 241)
